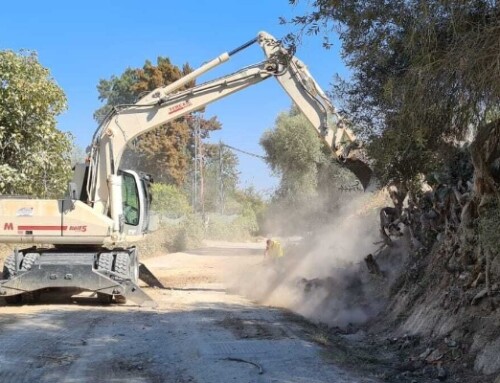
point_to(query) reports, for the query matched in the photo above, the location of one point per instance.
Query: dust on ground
(200, 332)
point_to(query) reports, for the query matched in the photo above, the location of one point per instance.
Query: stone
(428, 371)
(442, 374)
(488, 359)
(425, 354)
(406, 344)
(450, 342)
(434, 356)
(480, 295)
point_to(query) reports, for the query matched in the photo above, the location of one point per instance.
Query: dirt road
(200, 332)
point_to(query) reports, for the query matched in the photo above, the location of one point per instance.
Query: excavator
(92, 231)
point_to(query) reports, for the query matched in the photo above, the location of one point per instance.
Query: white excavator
(93, 229)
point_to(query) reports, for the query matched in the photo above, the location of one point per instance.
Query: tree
(424, 93)
(221, 176)
(165, 152)
(252, 201)
(293, 152)
(310, 179)
(34, 155)
(170, 201)
(422, 75)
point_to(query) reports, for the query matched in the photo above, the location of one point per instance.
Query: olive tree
(424, 76)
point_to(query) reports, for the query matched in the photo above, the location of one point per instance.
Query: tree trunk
(484, 151)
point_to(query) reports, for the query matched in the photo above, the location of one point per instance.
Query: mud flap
(148, 277)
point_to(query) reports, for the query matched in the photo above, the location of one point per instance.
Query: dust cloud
(322, 275)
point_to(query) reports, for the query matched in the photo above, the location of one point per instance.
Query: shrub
(190, 235)
(169, 201)
(233, 228)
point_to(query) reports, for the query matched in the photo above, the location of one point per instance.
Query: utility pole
(202, 178)
(198, 199)
(220, 179)
(195, 173)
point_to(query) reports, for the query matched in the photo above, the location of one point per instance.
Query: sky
(82, 42)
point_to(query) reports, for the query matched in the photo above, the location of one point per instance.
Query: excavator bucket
(360, 169)
(148, 277)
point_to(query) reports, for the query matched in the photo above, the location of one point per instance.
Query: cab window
(130, 197)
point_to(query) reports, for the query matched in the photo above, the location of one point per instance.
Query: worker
(274, 251)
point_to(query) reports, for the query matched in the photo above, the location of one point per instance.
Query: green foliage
(34, 155)
(116, 91)
(253, 201)
(220, 229)
(134, 82)
(251, 198)
(293, 152)
(170, 201)
(220, 171)
(241, 227)
(246, 223)
(310, 179)
(247, 208)
(401, 154)
(190, 235)
(422, 74)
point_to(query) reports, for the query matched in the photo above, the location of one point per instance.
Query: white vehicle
(107, 208)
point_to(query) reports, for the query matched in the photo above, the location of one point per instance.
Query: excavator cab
(136, 199)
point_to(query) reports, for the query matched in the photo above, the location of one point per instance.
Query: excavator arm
(162, 105)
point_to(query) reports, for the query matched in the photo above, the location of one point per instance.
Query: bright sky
(82, 42)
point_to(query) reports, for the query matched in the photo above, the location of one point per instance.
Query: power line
(245, 152)
(220, 177)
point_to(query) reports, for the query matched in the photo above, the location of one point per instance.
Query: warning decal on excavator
(177, 107)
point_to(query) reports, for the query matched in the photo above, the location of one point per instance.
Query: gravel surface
(200, 332)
